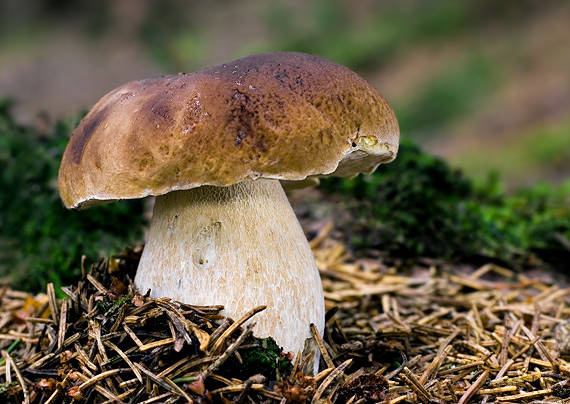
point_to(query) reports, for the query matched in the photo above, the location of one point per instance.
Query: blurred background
(483, 83)
(481, 89)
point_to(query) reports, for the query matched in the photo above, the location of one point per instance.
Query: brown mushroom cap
(283, 115)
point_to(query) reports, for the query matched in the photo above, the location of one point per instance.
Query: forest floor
(396, 332)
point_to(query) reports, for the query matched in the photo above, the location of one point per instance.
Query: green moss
(6, 388)
(415, 205)
(266, 359)
(419, 205)
(111, 307)
(40, 240)
(263, 356)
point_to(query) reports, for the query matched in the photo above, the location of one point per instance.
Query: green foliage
(415, 205)
(533, 220)
(7, 387)
(169, 37)
(111, 307)
(418, 205)
(266, 359)
(40, 240)
(325, 28)
(542, 150)
(262, 356)
(447, 96)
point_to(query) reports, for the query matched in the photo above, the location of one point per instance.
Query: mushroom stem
(240, 246)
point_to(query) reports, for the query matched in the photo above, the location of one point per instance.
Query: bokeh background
(483, 83)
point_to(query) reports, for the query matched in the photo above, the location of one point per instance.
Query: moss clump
(40, 240)
(413, 206)
(419, 205)
(266, 359)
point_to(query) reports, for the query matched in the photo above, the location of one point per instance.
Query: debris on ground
(425, 333)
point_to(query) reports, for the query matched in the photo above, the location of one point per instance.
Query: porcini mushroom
(212, 146)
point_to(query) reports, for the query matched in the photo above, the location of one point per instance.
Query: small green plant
(40, 240)
(7, 388)
(111, 307)
(265, 359)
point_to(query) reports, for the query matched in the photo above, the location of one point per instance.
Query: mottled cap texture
(286, 116)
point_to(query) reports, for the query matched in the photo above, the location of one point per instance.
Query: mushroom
(213, 146)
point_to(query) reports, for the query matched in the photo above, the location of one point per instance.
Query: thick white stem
(239, 246)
